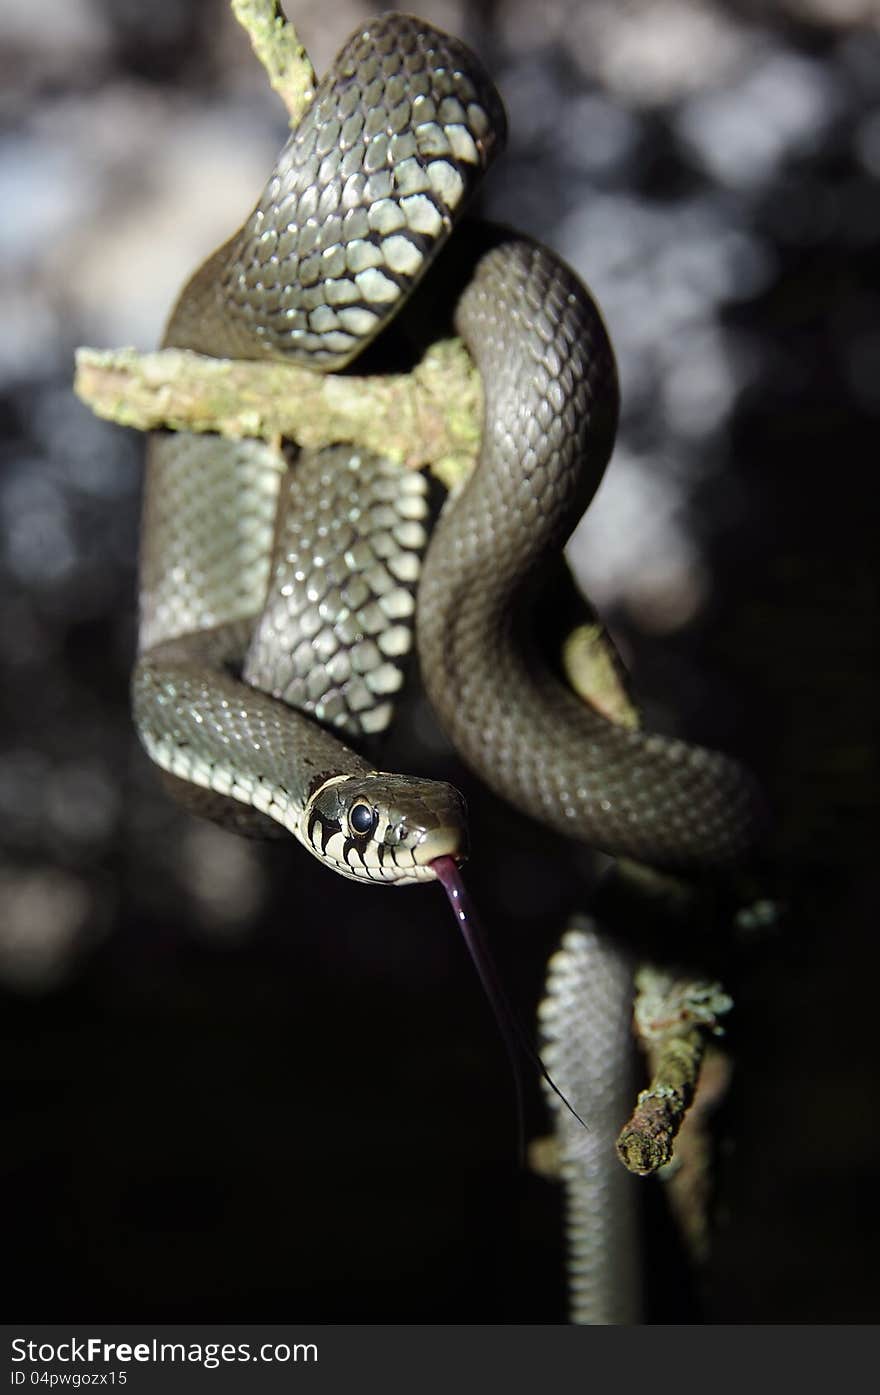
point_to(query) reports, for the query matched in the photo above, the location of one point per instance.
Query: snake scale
(280, 593)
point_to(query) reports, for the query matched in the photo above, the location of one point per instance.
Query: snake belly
(363, 195)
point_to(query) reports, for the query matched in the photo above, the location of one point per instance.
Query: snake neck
(550, 413)
(551, 403)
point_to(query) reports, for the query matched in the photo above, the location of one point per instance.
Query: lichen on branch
(276, 43)
(673, 1016)
(428, 417)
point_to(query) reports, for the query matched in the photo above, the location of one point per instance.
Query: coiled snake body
(277, 603)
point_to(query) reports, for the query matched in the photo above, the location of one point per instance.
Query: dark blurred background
(236, 1089)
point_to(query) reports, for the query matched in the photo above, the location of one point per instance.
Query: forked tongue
(516, 1039)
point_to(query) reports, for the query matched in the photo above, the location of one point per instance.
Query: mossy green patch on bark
(275, 42)
(427, 418)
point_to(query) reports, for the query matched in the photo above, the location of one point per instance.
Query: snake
(585, 1021)
(282, 591)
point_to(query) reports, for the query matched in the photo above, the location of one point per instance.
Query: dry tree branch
(275, 42)
(673, 1016)
(429, 417)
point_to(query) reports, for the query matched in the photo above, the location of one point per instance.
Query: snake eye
(362, 819)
